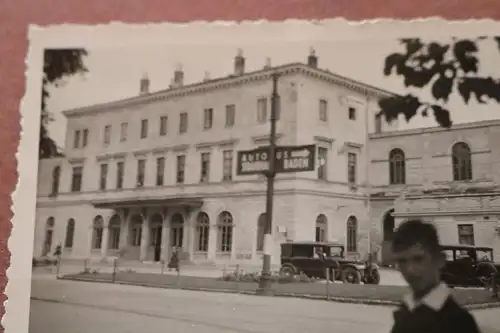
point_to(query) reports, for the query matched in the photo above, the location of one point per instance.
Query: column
(124, 230)
(165, 233)
(144, 239)
(212, 240)
(104, 242)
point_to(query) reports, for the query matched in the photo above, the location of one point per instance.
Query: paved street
(80, 307)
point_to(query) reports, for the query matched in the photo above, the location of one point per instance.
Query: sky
(114, 73)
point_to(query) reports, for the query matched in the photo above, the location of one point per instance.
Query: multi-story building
(448, 176)
(156, 171)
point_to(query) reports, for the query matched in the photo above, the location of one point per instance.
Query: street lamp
(265, 282)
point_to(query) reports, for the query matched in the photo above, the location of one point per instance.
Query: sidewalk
(347, 293)
(389, 277)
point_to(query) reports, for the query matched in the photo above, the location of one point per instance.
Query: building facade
(156, 171)
(449, 177)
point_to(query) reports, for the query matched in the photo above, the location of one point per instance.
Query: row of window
(205, 167)
(461, 160)
(202, 232)
(81, 136)
(351, 232)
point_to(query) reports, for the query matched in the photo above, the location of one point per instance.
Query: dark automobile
(314, 258)
(468, 266)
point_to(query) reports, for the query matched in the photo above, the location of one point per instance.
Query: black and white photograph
(257, 181)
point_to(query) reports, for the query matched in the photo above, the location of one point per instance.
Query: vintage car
(314, 258)
(469, 266)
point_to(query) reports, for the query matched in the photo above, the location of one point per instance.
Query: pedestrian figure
(430, 307)
(174, 259)
(58, 253)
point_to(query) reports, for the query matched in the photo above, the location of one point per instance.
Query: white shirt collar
(435, 299)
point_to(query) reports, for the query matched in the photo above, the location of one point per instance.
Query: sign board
(288, 159)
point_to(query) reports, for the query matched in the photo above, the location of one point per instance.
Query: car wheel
(351, 275)
(287, 271)
(374, 278)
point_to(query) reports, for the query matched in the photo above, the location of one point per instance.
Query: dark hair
(413, 232)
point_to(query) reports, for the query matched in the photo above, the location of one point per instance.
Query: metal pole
(367, 178)
(265, 283)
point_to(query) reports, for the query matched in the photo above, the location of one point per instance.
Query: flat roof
(248, 76)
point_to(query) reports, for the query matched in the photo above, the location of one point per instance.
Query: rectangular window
(181, 165)
(227, 165)
(183, 122)
(208, 118)
(107, 134)
(123, 132)
(120, 173)
(103, 177)
(85, 138)
(351, 168)
(205, 167)
(322, 163)
(163, 125)
(466, 234)
(144, 128)
(141, 170)
(76, 179)
(230, 115)
(76, 143)
(323, 110)
(352, 113)
(160, 171)
(262, 110)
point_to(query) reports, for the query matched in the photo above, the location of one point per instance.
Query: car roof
(313, 243)
(465, 247)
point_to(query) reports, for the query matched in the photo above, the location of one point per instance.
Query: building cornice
(230, 82)
(433, 213)
(436, 129)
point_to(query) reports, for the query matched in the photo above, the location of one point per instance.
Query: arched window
(225, 232)
(177, 230)
(70, 234)
(462, 161)
(397, 168)
(321, 228)
(352, 234)
(155, 227)
(114, 232)
(202, 232)
(261, 231)
(97, 231)
(56, 175)
(135, 230)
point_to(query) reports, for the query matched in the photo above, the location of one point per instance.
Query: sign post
(269, 161)
(287, 159)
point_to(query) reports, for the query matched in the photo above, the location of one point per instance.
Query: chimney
(207, 76)
(312, 60)
(268, 63)
(239, 63)
(178, 76)
(144, 86)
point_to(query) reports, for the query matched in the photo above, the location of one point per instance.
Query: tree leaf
(442, 87)
(464, 51)
(392, 107)
(437, 51)
(413, 45)
(394, 60)
(442, 116)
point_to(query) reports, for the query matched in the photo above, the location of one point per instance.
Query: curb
(337, 299)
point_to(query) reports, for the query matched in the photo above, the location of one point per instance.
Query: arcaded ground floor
(225, 229)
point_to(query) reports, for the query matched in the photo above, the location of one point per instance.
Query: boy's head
(417, 253)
